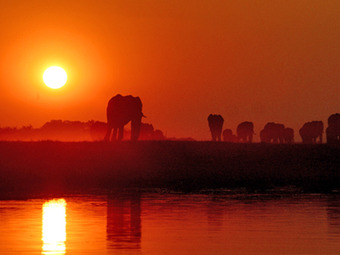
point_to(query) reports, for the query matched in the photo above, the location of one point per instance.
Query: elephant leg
(250, 138)
(213, 136)
(108, 133)
(114, 135)
(135, 128)
(321, 138)
(120, 133)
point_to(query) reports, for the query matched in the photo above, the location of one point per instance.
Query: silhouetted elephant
(288, 135)
(229, 137)
(245, 131)
(333, 129)
(120, 111)
(272, 133)
(215, 124)
(310, 131)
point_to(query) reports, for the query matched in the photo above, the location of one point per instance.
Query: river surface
(156, 223)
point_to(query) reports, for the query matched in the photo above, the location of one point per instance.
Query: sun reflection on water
(54, 227)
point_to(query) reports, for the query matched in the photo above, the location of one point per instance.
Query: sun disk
(55, 77)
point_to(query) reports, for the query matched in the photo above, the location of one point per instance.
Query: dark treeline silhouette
(66, 130)
(147, 132)
(63, 130)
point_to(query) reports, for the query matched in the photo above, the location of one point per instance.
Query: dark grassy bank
(187, 166)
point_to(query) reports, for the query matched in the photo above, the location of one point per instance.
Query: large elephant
(333, 129)
(310, 131)
(215, 124)
(272, 133)
(245, 131)
(119, 112)
(288, 135)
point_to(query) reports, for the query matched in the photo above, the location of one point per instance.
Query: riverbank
(54, 167)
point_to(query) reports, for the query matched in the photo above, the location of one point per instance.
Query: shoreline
(65, 167)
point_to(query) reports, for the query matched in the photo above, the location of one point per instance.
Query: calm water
(152, 223)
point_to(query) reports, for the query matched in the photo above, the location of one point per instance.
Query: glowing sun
(55, 77)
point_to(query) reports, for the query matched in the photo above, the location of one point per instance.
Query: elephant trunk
(135, 128)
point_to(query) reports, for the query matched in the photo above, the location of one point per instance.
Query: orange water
(152, 223)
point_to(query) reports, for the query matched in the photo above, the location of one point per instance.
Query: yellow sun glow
(55, 77)
(54, 227)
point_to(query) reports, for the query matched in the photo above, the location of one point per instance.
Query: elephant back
(215, 120)
(272, 132)
(333, 129)
(122, 109)
(334, 120)
(312, 129)
(274, 127)
(270, 126)
(227, 132)
(245, 126)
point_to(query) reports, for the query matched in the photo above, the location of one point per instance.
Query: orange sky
(247, 60)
